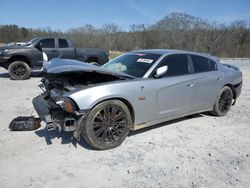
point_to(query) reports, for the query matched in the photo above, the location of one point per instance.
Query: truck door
(49, 47)
(65, 50)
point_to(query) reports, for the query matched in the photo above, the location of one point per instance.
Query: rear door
(208, 81)
(66, 51)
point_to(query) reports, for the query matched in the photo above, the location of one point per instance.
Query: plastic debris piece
(25, 123)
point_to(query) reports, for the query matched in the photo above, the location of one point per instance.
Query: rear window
(202, 64)
(63, 43)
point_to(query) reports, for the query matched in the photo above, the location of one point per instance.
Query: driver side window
(47, 43)
(177, 65)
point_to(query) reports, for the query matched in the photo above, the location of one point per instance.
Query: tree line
(174, 31)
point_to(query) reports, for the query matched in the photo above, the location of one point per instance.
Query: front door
(49, 47)
(174, 95)
(174, 91)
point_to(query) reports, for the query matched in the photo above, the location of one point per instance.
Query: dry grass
(113, 54)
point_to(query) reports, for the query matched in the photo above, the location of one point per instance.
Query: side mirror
(38, 46)
(161, 71)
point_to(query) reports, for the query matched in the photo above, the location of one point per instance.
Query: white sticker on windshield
(142, 60)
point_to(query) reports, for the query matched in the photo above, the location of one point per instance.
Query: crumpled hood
(57, 66)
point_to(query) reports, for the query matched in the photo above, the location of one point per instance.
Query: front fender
(129, 91)
(88, 98)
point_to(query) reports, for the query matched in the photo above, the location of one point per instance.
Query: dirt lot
(203, 151)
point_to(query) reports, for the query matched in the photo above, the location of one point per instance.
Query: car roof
(157, 51)
(170, 51)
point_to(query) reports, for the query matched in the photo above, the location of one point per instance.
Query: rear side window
(202, 64)
(177, 65)
(48, 43)
(63, 43)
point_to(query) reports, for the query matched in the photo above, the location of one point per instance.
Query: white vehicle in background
(16, 44)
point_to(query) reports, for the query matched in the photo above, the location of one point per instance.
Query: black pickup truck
(19, 60)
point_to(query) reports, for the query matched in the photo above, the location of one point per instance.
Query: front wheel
(19, 70)
(223, 102)
(107, 125)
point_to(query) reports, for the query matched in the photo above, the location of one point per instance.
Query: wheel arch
(19, 58)
(232, 88)
(125, 101)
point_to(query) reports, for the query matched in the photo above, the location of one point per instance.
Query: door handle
(219, 78)
(190, 84)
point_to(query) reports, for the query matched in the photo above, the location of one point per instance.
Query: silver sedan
(135, 90)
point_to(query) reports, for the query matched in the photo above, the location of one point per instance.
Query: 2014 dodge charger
(135, 90)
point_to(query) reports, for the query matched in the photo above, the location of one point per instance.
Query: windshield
(31, 41)
(135, 64)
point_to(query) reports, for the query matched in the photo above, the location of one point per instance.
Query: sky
(66, 14)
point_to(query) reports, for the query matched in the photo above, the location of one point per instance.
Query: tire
(107, 125)
(223, 102)
(19, 70)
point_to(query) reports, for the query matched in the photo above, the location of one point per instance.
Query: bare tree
(174, 31)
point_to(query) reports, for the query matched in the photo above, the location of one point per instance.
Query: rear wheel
(107, 125)
(19, 70)
(223, 102)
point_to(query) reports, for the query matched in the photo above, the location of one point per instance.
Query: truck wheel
(107, 125)
(223, 102)
(19, 70)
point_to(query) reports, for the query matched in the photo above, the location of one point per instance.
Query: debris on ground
(22, 123)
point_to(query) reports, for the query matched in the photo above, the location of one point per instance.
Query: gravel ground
(202, 151)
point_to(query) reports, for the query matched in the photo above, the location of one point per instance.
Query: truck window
(63, 43)
(48, 43)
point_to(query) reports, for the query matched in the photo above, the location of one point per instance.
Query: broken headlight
(67, 104)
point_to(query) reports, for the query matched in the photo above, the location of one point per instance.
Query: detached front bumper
(53, 115)
(42, 108)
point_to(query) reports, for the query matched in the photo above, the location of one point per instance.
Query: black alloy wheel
(19, 70)
(223, 102)
(107, 124)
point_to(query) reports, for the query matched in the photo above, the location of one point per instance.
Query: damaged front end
(54, 106)
(60, 113)
(57, 110)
